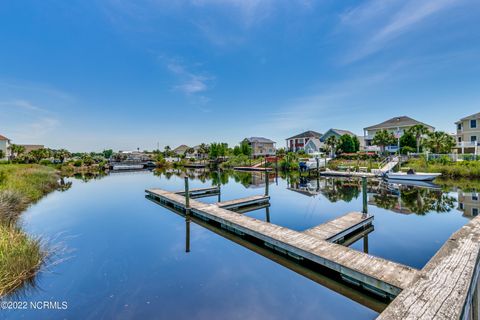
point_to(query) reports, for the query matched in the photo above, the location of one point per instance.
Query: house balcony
(468, 144)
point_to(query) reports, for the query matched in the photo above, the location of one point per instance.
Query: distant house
(298, 142)
(261, 146)
(468, 134)
(32, 147)
(337, 133)
(4, 147)
(313, 146)
(469, 203)
(181, 150)
(398, 126)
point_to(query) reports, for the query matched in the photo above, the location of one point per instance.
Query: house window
(461, 206)
(474, 212)
(474, 197)
(459, 126)
(473, 138)
(473, 124)
(459, 139)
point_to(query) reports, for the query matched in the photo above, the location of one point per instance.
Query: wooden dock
(446, 288)
(243, 202)
(201, 192)
(338, 229)
(262, 169)
(337, 285)
(332, 173)
(383, 277)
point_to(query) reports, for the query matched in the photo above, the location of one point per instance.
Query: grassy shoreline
(448, 169)
(20, 255)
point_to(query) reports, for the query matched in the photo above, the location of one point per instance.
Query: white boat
(418, 176)
(127, 166)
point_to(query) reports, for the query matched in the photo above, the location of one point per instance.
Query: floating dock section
(383, 277)
(338, 229)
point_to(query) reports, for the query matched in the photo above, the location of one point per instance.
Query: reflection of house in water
(258, 180)
(468, 203)
(391, 202)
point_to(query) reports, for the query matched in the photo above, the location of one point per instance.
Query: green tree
(346, 144)
(440, 142)
(356, 143)
(245, 148)
(61, 155)
(418, 131)
(16, 150)
(408, 140)
(2, 154)
(382, 139)
(107, 153)
(39, 154)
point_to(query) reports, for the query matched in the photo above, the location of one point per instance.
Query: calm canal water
(125, 255)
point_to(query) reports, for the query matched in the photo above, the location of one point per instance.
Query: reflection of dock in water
(314, 272)
(382, 277)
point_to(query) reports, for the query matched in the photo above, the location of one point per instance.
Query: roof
(182, 148)
(4, 138)
(259, 139)
(402, 121)
(339, 132)
(307, 134)
(475, 115)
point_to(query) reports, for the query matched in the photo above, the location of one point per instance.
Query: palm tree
(16, 150)
(418, 131)
(331, 143)
(382, 139)
(440, 142)
(61, 155)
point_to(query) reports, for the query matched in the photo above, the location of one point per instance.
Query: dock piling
(364, 193)
(266, 183)
(187, 233)
(187, 195)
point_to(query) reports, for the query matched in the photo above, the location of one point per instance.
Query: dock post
(187, 233)
(365, 243)
(187, 195)
(318, 166)
(364, 193)
(219, 184)
(267, 214)
(266, 183)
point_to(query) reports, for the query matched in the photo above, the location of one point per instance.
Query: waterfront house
(181, 150)
(313, 146)
(468, 134)
(32, 147)
(397, 125)
(261, 146)
(4, 147)
(337, 133)
(298, 142)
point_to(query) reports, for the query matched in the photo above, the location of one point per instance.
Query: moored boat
(418, 176)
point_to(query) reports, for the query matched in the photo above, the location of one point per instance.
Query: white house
(4, 147)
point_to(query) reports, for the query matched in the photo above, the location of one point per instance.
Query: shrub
(78, 163)
(45, 162)
(11, 204)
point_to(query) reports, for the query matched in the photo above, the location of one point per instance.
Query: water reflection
(308, 269)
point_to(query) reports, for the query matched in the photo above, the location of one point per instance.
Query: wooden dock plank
(445, 286)
(340, 227)
(384, 275)
(235, 203)
(197, 190)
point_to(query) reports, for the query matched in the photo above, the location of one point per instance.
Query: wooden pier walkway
(201, 192)
(446, 288)
(243, 202)
(337, 229)
(378, 275)
(332, 173)
(262, 169)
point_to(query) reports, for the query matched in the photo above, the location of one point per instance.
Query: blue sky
(88, 75)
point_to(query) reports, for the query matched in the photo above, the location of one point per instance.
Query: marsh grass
(20, 255)
(461, 169)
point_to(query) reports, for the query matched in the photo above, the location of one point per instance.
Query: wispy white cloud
(26, 122)
(190, 82)
(377, 23)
